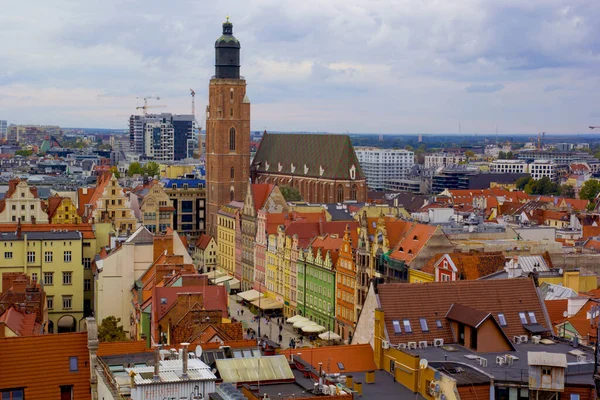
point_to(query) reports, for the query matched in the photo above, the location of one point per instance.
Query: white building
(443, 160)
(541, 168)
(3, 129)
(159, 138)
(509, 166)
(383, 165)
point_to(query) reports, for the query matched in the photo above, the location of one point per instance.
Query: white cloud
(391, 66)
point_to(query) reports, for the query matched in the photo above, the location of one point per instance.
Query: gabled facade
(205, 253)
(316, 286)
(228, 220)
(156, 210)
(62, 210)
(345, 286)
(21, 203)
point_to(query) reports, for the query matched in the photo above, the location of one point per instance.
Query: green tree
(151, 169)
(597, 155)
(115, 172)
(589, 190)
(135, 169)
(290, 193)
(567, 191)
(542, 186)
(522, 182)
(24, 153)
(408, 147)
(469, 154)
(110, 330)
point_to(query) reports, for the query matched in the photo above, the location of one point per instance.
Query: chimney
(156, 375)
(184, 372)
(19, 285)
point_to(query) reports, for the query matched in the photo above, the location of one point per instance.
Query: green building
(316, 286)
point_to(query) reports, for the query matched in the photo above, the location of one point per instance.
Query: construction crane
(145, 107)
(193, 102)
(539, 141)
(594, 127)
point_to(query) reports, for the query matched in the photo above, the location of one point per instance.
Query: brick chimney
(19, 285)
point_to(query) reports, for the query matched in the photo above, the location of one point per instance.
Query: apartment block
(543, 168)
(443, 160)
(509, 166)
(188, 198)
(383, 165)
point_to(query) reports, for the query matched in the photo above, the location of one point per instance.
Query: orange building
(45, 367)
(345, 315)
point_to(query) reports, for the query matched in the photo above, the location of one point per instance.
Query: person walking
(242, 311)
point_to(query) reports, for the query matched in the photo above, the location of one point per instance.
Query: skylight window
(438, 322)
(397, 328)
(407, 327)
(424, 326)
(502, 319)
(523, 318)
(532, 317)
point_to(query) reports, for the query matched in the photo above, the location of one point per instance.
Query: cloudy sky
(389, 66)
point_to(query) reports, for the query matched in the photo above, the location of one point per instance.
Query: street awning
(214, 274)
(250, 295)
(295, 319)
(313, 329)
(303, 323)
(222, 279)
(267, 303)
(329, 336)
(232, 282)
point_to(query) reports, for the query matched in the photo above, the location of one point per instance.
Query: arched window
(232, 173)
(231, 195)
(232, 139)
(231, 94)
(340, 194)
(353, 193)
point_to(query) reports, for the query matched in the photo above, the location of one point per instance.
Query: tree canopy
(290, 193)
(110, 330)
(543, 186)
(151, 169)
(135, 168)
(115, 172)
(589, 190)
(522, 182)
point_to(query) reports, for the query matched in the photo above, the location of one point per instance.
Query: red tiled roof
(22, 324)
(215, 297)
(53, 203)
(203, 241)
(118, 348)
(470, 265)
(87, 230)
(590, 231)
(354, 358)
(42, 378)
(412, 301)
(556, 309)
(412, 242)
(260, 194)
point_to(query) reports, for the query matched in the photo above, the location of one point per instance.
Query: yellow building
(573, 280)
(417, 276)
(55, 259)
(107, 203)
(62, 210)
(156, 210)
(274, 274)
(175, 171)
(227, 218)
(21, 203)
(508, 186)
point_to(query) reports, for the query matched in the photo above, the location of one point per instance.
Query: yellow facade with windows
(273, 279)
(226, 220)
(55, 260)
(65, 213)
(416, 276)
(156, 210)
(112, 205)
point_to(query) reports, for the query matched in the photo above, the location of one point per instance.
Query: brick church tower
(227, 129)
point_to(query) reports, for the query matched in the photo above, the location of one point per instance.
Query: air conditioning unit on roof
(517, 339)
(402, 345)
(412, 345)
(536, 339)
(438, 342)
(500, 360)
(385, 344)
(524, 338)
(423, 344)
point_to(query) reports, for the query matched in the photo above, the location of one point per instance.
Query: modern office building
(559, 157)
(188, 197)
(543, 168)
(3, 129)
(161, 137)
(443, 160)
(509, 166)
(383, 165)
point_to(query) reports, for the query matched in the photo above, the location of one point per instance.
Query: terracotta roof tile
(556, 309)
(354, 358)
(470, 265)
(22, 324)
(260, 194)
(117, 348)
(41, 379)
(412, 242)
(203, 241)
(466, 315)
(87, 230)
(590, 231)
(431, 301)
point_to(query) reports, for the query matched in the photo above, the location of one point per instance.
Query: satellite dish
(566, 314)
(423, 363)
(198, 351)
(437, 376)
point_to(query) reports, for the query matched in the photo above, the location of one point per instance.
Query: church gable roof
(311, 155)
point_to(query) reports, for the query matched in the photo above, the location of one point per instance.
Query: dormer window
(410, 251)
(407, 327)
(415, 238)
(523, 318)
(396, 324)
(353, 172)
(532, 317)
(401, 249)
(424, 326)
(502, 319)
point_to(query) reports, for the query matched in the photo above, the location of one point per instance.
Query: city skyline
(384, 67)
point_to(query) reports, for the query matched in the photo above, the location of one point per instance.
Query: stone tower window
(353, 192)
(232, 139)
(232, 173)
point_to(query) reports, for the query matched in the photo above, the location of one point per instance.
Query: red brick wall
(584, 392)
